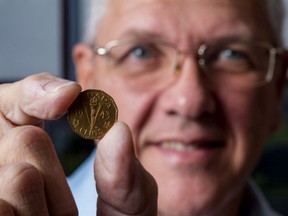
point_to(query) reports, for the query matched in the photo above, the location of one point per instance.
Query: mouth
(199, 153)
(178, 146)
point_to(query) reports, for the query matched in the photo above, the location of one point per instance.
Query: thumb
(124, 186)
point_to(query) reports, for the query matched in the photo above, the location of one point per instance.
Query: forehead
(184, 19)
(182, 6)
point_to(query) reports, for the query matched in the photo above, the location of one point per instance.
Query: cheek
(249, 116)
(133, 106)
(250, 113)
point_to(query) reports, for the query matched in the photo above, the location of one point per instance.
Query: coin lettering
(92, 114)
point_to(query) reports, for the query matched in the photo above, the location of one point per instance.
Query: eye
(136, 53)
(236, 59)
(138, 57)
(142, 52)
(232, 58)
(231, 54)
(141, 57)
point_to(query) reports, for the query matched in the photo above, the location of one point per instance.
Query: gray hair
(94, 10)
(276, 15)
(92, 13)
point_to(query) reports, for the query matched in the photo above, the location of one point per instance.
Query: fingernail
(57, 84)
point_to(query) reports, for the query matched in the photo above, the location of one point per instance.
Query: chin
(194, 192)
(185, 199)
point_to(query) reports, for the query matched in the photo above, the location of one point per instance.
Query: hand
(123, 185)
(32, 181)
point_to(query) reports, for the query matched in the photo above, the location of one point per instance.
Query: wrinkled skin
(188, 110)
(32, 179)
(206, 181)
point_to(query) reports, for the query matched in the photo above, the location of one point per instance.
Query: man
(199, 84)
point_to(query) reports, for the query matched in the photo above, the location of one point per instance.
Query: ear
(282, 78)
(280, 86)
(285, 63)
(83, 60)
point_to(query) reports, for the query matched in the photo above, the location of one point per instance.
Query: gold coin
(92, 114)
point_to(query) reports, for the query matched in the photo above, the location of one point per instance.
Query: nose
(191, 94)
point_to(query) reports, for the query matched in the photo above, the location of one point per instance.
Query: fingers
(32, 181)
(37, 97)
(124, 187)
(37, 181)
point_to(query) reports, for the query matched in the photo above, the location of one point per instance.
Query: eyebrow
(142, 35)
(152, 35)
(237, 38)
(233, 38)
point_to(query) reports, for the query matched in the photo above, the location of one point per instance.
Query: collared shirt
(82, 184)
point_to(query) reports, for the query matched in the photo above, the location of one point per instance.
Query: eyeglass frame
(273, 52)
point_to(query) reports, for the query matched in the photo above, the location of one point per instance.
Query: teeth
(177, 146)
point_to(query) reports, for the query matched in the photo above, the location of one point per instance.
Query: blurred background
(38, 36)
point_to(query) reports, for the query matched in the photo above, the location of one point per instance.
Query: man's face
(199, 141)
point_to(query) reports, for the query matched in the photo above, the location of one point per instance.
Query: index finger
(36, 98)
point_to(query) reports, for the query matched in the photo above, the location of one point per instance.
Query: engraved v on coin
(92, 114)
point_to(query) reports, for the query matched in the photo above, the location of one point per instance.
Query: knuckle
(32, 135)
(23, 178)
(5, 124)
(71, 211)
(36, 81)
(22, 183)
(5, 105)
(34, 86)
(38, 77)
(5, 208)
(26, 141)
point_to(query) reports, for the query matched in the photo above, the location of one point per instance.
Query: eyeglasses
(233, 62)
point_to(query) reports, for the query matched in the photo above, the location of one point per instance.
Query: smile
(187, 147)
(197, 152)
(177, 146)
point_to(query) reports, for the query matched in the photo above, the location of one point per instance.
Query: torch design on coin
(92, 114)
